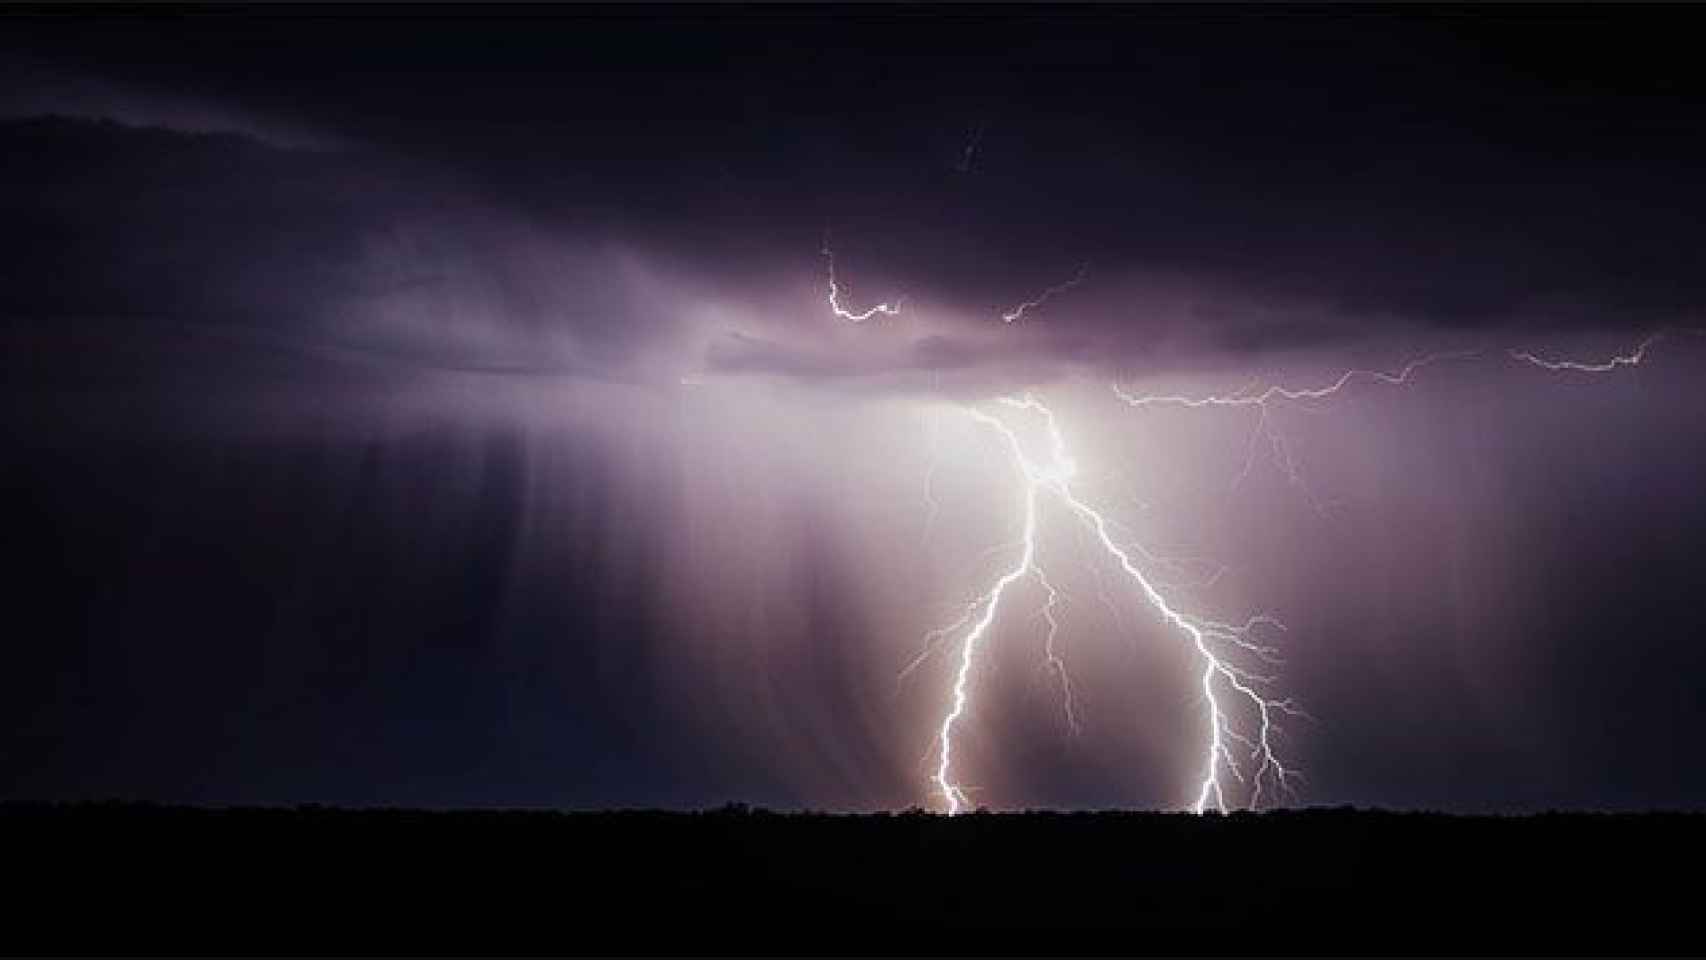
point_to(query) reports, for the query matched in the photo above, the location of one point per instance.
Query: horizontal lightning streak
(1279, 449)
(1631, 359)
(1244, 398)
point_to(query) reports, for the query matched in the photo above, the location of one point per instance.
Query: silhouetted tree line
(131, 878)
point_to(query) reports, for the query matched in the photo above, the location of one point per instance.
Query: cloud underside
(361, 252)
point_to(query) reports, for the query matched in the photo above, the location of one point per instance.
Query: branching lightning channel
(1262, 400)
(1018, 312)
(1237, 660)
(1236, 679)
(1633, 358)
(1280, 450)
(1225, 650)
(1245, 398)
(856, 316)
(1051, 655)
(989, 603)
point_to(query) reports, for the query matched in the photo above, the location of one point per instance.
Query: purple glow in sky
(1167, 417)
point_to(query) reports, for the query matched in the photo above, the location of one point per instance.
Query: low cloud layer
(357, 251)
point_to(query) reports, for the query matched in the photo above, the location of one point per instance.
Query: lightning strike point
(1216, 644)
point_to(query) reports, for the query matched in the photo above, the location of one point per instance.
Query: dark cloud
(31, 87)
(1442, 171)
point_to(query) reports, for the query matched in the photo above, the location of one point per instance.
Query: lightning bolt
(1051, 656)
(1224, 650)
(860, 316)
(989, 603)
(1263, 401)
(1018, 312)
(1631, 359)
(1235, 660)
(1243, 718)
(1244, 398)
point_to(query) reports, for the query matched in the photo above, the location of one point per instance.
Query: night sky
(442, 407)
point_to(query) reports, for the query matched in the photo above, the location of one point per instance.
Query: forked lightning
(1243, 715)
(1224, 650)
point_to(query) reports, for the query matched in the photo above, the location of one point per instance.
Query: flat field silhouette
(90, 878)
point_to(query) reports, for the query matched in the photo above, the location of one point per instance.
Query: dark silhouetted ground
(132, 879)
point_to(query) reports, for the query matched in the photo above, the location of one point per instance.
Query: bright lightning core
(1226, 652)
(1242, 713)
(1236, 663)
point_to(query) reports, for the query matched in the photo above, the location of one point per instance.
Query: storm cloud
(451, 410)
